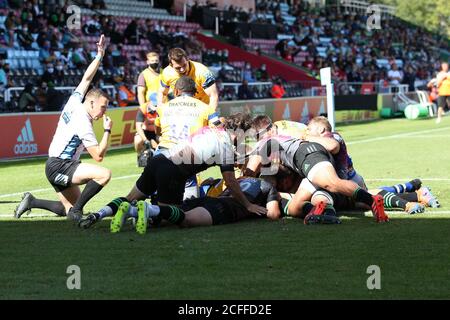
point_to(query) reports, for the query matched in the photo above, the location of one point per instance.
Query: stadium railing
(236, 86)
(349, 88)
(14, 92)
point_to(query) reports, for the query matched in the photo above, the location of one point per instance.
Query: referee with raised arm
(74, 133)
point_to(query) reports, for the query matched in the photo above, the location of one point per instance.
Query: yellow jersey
(444, 88)
(151, 82)
(290, 128)
(198, 72)
(181, 117)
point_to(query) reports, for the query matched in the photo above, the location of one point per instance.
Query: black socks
(90, 190)
(53, 206)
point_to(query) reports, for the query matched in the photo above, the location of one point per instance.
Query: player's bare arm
(213, 95)
(235, 189)
(98, 152)
(162, 94)
(273, 210)
(253, 166)
(330, 144)
(93, 67)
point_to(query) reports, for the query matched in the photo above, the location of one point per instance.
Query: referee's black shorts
(60, 172)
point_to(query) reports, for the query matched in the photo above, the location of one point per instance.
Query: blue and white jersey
(74, 132)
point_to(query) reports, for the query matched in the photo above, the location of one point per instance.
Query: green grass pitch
(248, 260)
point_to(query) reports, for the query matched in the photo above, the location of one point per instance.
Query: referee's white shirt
(74, 132)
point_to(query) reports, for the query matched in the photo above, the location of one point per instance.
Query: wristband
(99, 57)
(107, 130)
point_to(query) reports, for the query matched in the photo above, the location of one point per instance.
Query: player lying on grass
(287, 181)
(311, 159)
(167, 175)
(414, 192)
(204, 211)
(63, 169)
(338, 201)
(307, 191)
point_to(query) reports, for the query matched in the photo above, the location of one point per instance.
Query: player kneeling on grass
(168, 175)
(203, 211)
(63, 169)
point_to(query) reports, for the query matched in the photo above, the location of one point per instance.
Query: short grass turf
(248, 260)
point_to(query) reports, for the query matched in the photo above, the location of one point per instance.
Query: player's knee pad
(322, 195)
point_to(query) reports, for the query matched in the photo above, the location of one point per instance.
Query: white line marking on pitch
(32, 215)
(49, 189)
(399, 212)
(407, 179)
(427, 137)
(394, 136)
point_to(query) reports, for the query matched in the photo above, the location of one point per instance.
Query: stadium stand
(337, 37)
(72, 49)
(308, 37)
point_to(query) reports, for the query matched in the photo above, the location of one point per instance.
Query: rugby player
(176, 121)
(147, 89)
(312, 159)
(74, 133)
(443, 85)
(205, 211)
(168, 174)
(410, 196)
(183, 116)
(180, 65)
(319, 126)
